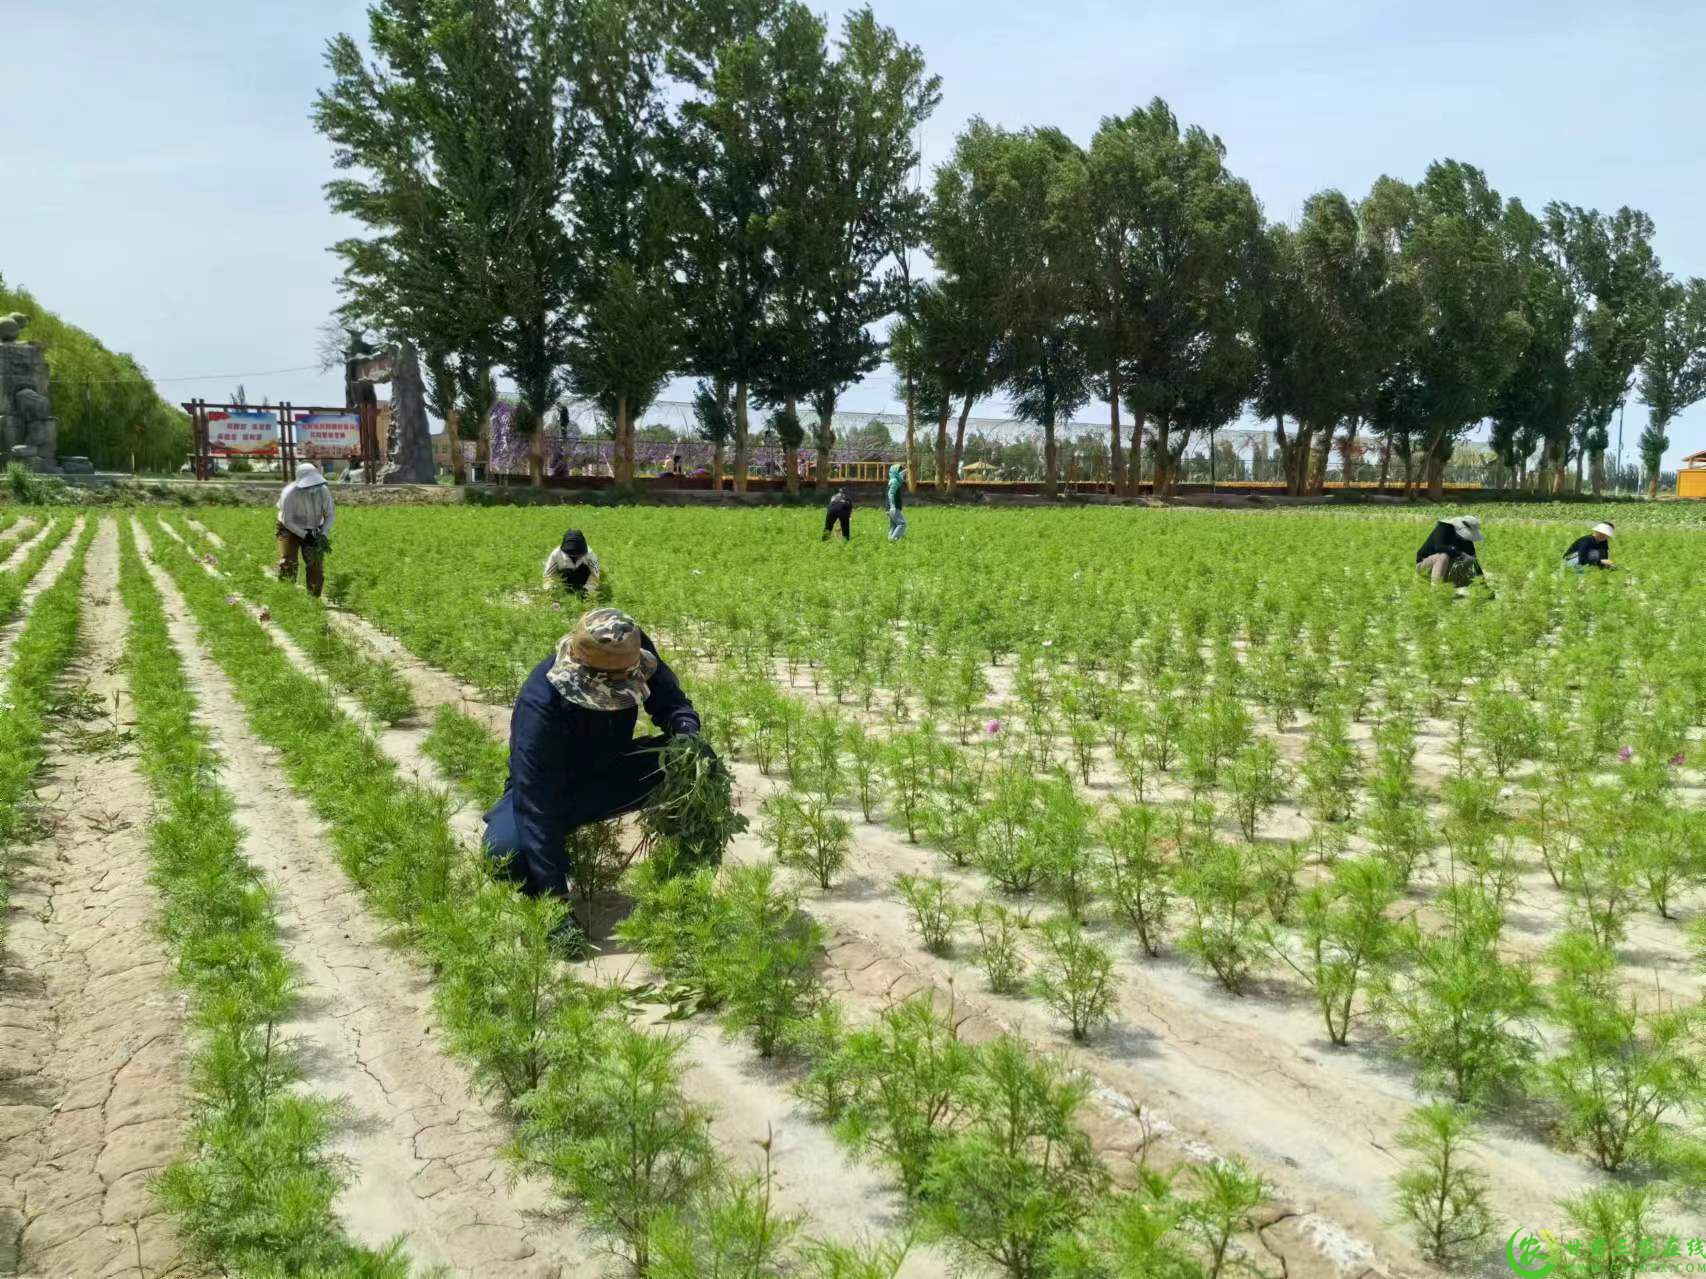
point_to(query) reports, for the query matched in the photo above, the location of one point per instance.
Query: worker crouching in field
(897, 494)
(1592, 551)
(305, 513)
(840, 511)
(1449, 553)
(572, 565)
(573, 758)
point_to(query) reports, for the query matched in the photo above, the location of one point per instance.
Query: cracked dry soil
(91, 1058)
(423, 1150)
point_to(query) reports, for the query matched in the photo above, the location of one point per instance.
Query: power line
(188, 377)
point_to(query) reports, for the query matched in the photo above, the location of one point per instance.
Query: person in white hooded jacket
(305, 514)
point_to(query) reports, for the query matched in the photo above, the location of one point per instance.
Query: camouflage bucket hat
(600, 664)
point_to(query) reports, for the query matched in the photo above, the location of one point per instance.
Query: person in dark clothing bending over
(572, 566)
(573, 757)
(1449, 553)
(1592, 551)
(840, 512)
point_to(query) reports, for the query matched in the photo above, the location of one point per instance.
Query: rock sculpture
(410, 430)
(410, 457)
(28, 432)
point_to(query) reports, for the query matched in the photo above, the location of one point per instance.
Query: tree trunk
(717, 467)
(1436, 476)
(1294, 454)
(1598, 473)
(1320, 451)
(1134, 464)
(1114, 450)
(1581, 460)
(741, 436)
(790, 455)
(1051, 462)
(1385, 464)
(942, 444)
(536, 453)
(1163, 465)
(1653, 485)
(453, 437)
(1409, 477)
(624, 451)
(825, 440)
(959, 446)
(911, 436)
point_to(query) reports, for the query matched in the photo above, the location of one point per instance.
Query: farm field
(1121, 892)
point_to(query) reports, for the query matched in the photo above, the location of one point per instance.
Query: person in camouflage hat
(573, 756)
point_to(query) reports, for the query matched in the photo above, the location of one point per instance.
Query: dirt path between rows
(92, 1079)
(423, 1149)
(16, 534)
(49, 573)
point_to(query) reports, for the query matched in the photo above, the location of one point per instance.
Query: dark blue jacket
(570, 766)
(1589, 551)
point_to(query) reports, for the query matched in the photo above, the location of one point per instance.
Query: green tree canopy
(107, 408)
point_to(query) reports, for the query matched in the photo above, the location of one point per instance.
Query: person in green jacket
(897, 493)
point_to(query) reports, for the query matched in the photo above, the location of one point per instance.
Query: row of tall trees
(108, 410)
(599, 194)
(1140, 272)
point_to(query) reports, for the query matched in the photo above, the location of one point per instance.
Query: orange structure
(1691, 480)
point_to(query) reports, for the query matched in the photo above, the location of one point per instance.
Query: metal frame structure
(288, 414)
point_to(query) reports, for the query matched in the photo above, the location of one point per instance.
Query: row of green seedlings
(16, 580)
(739, 945)
(1086, 709)
(985, 1139)
(599, 1105)
(375, 683)
(254, 1191)
(27, 699)
(1461, 1011)
(932, 787)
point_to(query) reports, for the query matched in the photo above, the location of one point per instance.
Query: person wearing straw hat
(1593, 550)
(573, 756)
(305, 514)
(1449, 553)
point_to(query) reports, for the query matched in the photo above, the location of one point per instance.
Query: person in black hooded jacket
(572, 566)
(1449, 553)
(840, 511)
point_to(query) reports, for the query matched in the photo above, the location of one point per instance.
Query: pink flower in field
(1678, 760)
(230, 599)
(992, 727)
(1625, 754)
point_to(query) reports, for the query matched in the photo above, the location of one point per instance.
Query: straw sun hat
(601, 665)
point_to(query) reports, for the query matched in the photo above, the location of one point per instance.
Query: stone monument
(411, 433)
(28, 432)
(410, 446)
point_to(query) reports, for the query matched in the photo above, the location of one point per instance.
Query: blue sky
(162, 183)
